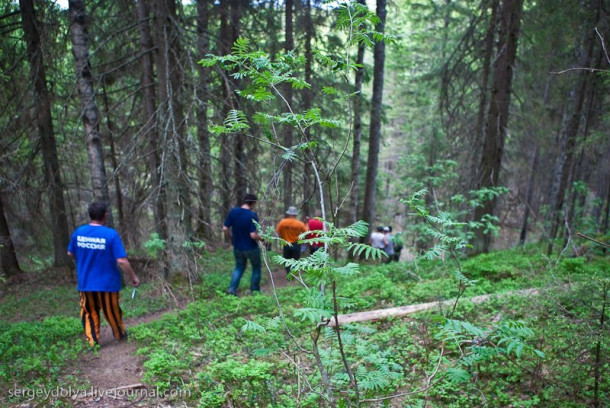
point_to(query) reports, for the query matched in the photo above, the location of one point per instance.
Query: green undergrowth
(41, 335)
(237, 351)
(149, 298)
(35, 354)
(244, 351)
(31, 303)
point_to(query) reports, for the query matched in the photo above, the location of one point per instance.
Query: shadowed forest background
(468, 126)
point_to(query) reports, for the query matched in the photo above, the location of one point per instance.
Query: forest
(476, 130)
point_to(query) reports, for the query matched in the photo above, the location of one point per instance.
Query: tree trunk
(287, 171)
(570, 131)
(226, 143)
(604, 229)
(308, 186)
(115, 165)
(400, 311)
(529, 195)
(42, 104)
(355, 193)
(91, 114)
(9, 266)
(480, 129)
(583, 167)
(272, 27)
(151, 135)
(375, 125)
(497, 118)
(239, 151)
(173, 177)
(205, 166)
(433, 143)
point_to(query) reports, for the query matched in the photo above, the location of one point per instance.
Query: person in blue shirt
(99, 254)
(240, 229)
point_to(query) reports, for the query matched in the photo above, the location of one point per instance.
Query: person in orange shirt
(289, 229)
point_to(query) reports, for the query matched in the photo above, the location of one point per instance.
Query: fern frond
(463, 279)
(313, 315)
(236, 121)
(357, 230)
(209, 61)
(437, 251)
(251, 326)
(369, 252)
(348, 270)
(374, 380)
(241, 47)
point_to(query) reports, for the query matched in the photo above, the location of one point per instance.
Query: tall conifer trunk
(205, 165)
(356, 143)
(42, 104)
(9, 265)
(151, 134)
(90, 111)
(239, 150)
(375, 125)
(226, 141)
(497, 117)
(115, 166)
(173, 177)
(479, 135)
(569, 132)
(288, 47)
(605, 222)
(529, 195)
(308, 185)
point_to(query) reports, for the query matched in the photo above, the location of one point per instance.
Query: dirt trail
(114, 373)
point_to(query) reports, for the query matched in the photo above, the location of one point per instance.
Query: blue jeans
(241, 259)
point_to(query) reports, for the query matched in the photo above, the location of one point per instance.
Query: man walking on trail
(99, 253)
(239, 227)
(289, 229)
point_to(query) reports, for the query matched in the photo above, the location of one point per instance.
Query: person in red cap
(289, 229)
(315, 224)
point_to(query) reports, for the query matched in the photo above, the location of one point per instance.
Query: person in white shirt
(378, 239)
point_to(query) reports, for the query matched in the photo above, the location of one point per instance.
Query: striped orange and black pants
(90, 305)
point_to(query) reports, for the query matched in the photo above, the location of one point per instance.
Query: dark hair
(250, 199)
(380, 228)
(97, 211)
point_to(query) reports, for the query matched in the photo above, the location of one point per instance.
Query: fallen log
(374, 315)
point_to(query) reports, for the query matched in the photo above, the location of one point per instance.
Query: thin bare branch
(579, 69)
(603, 44)
(580, 234)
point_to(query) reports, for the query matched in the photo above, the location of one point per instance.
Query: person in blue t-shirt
(239, 227)
(99, 253)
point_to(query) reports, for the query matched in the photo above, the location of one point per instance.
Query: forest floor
(189, 336)
(115, 371)
(111, 376)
